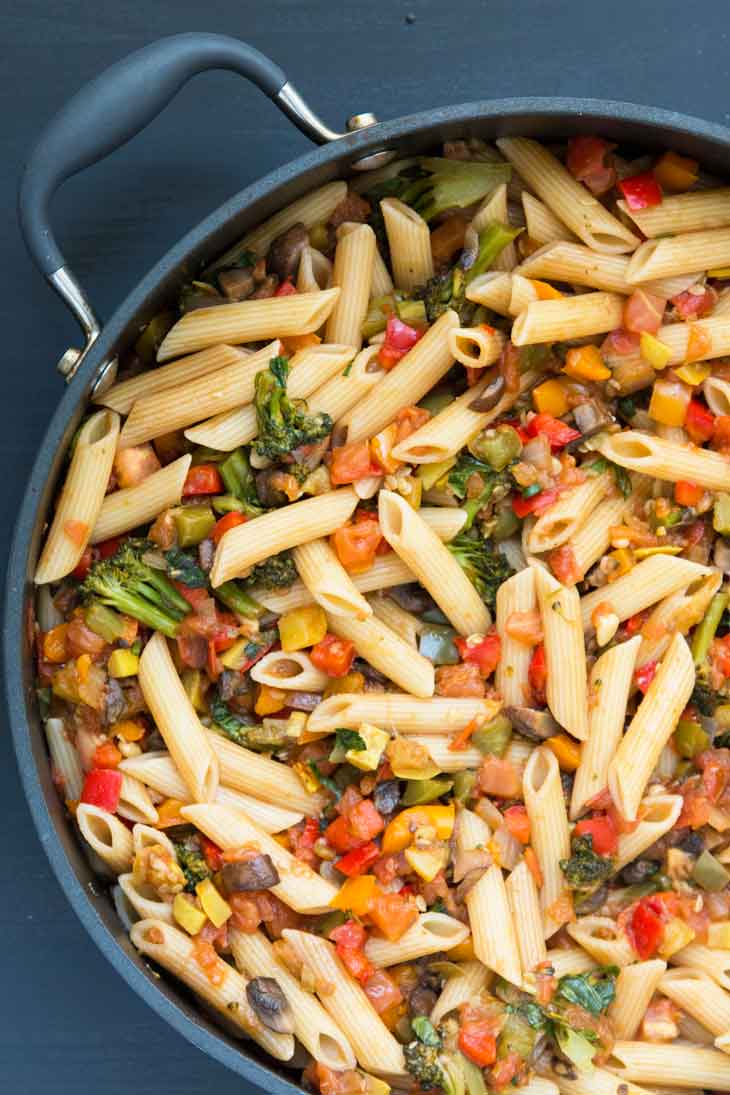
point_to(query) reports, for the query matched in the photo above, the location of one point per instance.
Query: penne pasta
(635, 986)
(347, 388)
(289, 670)
(353, 275)
(561, 521)
(314, 272)
(409, 242)
(262, 777)
(328, 582)
(121, 397)
(550, 835)
(524, 903)
(690, 1066)
(65, 759)
(569, 317)
(386, 571)
(667, 460)
(695, 211)
(493, 290)
(494, 210)
(699, 996)
(648, 582)
(543, 227)
(144, 900)
(565, 657)
(387, 651)
(596, 1082)
(687, 253)
(492, 925)
(107, 836)
(564, 261)
(130, 507)
(405, 624)
(431, 933)
(603, 940)
(395, 711)
(476, 347)
(135, 803)
(460, 989)
(516, 595)
(678, 612)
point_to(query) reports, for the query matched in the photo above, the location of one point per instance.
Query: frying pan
(105, 114)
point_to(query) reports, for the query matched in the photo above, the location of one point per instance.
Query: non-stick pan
(104, 115)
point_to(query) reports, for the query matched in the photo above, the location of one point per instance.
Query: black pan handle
(108, 111)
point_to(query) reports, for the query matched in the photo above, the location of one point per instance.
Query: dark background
(67, 1023)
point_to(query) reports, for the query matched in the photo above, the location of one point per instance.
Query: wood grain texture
(70, 1025)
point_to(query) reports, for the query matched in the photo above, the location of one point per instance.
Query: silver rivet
(68, 360)
(361, 121)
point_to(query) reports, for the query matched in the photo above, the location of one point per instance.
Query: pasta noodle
(517, 594)
(409, 241)
(328, 582)
(352, 274)
(550, 836)
(667, 459)
(564, 653)
(387, 651)
(570, 317)
(131, 507)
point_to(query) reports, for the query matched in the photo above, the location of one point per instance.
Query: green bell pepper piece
(193, 524)
(494, 737)
(464, 784)
(690, 739)
(705, 631)
(420, 791)
(437, 644)
(498, 446)
(710, 874)
(226, 503)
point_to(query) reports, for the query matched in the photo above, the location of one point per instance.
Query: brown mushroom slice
(267, 998)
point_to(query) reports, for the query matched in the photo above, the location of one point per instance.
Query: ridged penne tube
(289, 670)
(635, 986)
(375, 1047)
(542, 225)
(248, 321)
(494, 210)
(651, 728)
(570, 960)
(578, 265)
(565, 655)
(135, 803)
(145, 836)
(715, 962)
(245, 545)
(695, 211)
(107, 836)
(409, 240)
(609, 687)
(431, 933)
(158, 771)
(567, 318)
(394, 711)
(717, 394)
(144, 899)
(314, 208)
(381, 283)
(405, 624)
(523, 293)
(328, 582)
(688, 253)
(562, 520)
(433, 564)
(414, 375)
(603, 940)
(492, 926)
(648, 582)
(342, 392)
(666, 1063)
(476, 347)
(121, 397)
(711, 339)
(68, 773)
(517, 594)
(314, 271)
(262, 777)
(699, 996)
(493, 290)
(387, 570)
(539, 1085)
(678, 612)
(130, 507)
(301, 888)
(175, 951)
(310, 368)
(386, 651)
(596, 1082)
(174, 408)
(722, 305)
(571, 202)
(448, 759)
(177, 720)
(352, 274)
(460, 989)
(545, 804)
(524, 903)
(313, 1027)
(81, 498)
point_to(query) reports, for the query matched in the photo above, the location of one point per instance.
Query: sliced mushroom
(491, 394)
(266, 997)
(535, 725)
(257, 873)
(286, 250)
(237, 283)
(591, 417)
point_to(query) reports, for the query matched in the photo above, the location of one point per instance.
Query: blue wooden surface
(67, 1024)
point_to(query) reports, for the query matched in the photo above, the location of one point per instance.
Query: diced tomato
(499, 777)
(203, 479)
(537, 503)
(483, 650)
(382, 991)
(212, 854)
(620, 343)
(358, 860)
(720, 655)
(641, 191)
(83, 566)
(340, 837)
(225, 632)
(696, 806)
(399, 339)
(589, 162)
(518, 823)
(106, 755)
(408, 420)
(715, 766)
(601, 828)
(393, 913)
(107, 548)
(464, 679)
(699, 343)
(195, 597)
(700, 422)
(537, 675)
(721, 433)
(357, 544)
(687, 494)
(352, 462)
(643, 311)
(80, 639)
(286, 289)
(645, 930)
(303, 837)
(365, 821)
(228, 521)
(692, 305)
(635, 623)
(349, 939)
(557, 432)
(102, 788)
(645, 674)
(478, 1043)
(350, 935)
(564, 565)
(660, 1021)
(333, 656)
(506, 1069)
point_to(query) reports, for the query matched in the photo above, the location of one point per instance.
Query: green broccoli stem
(132, 605)
(492, 241)
(167, 597)
(232, 596)
(705, 631)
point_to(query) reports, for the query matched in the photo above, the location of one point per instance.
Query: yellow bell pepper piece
(123, 663)
(566, 751)
(719, 272)
(545, 291)
(355, 895)
(374, 1086)
(625, 560)
(586, 363)
(693, 374)
(462, 952)
(168, 813)
(550, 398)
(215, 908)
(302, 627)
(669, 402)
(368, 759)
(306, 776)
(400, 831)
(187, 915)
(83, 667)
(675, 172)
(129, 729)
(269, 700)
(427, 862)
(676, 935)
(654, 351)
(663, 549)
(351, 682)
(236, 657)
(429, 474)
(718, 935)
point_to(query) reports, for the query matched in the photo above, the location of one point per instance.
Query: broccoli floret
(133, 587)
(184, 569)
(485, 568)
(585, 870)
(278, 572)
(466, 488)
(452, 184)
(424, 1065)
(448, 290)
(191, 863)
(705, 698)
(283, 423)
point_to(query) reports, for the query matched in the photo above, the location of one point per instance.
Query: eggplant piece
(266, 997)
(243, 876)
(492, 394)
(532, 724)
(237, 283)
(286, 251)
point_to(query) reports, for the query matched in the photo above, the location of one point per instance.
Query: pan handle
(107, 112)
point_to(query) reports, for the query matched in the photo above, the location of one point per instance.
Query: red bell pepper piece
(333, 656)
(588, 162)
(102, 788)
(601, 828)
(641, 191)
(645, 928)
(645, 674)
(686, 493)
(286, 289)
(485, 652)
(399, 339)
(349, 939)
(557, 433)
(522, 507)
(518, 823)
(203, 479)
(537, 674)
(83, 566)
(700, 422)
(358, 860)
(212, 854)
(478, 1043)
(228, 521)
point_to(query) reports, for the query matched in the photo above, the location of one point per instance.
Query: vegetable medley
(580, 554)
